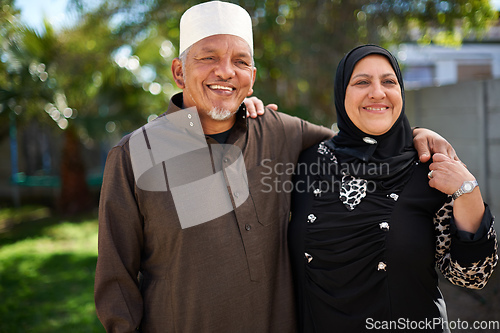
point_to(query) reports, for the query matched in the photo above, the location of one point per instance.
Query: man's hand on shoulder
(428, 142)
(255, 107)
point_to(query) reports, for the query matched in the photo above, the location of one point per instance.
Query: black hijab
(384, 158)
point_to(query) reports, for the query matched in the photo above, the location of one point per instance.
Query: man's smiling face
(218, 75)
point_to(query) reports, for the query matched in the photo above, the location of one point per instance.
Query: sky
(33, 11)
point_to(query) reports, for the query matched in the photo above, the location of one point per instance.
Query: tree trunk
(75, 193)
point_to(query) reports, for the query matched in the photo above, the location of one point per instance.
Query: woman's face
(373, 98)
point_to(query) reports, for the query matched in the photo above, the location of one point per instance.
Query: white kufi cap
(214, 18)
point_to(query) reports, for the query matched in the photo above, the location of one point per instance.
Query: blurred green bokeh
(47, 267)
(109, 73)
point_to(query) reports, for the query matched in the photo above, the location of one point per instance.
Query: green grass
(47, 267)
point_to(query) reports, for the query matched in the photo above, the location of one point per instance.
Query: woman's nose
(377, 91)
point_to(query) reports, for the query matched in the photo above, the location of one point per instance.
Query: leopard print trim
(324, 150)
(353, 191)
(474, 276)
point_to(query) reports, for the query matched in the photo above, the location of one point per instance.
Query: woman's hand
(447, 175)
(255, 107)
(428, 142)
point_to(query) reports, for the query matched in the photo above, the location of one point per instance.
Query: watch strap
(461, 191)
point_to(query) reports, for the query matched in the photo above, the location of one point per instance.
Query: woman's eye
(359, 83)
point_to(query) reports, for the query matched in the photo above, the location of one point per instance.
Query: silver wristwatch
(467, 187)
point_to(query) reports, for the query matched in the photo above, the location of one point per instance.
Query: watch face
(467, 187)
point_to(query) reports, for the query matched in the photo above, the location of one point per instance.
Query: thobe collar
(239, 128)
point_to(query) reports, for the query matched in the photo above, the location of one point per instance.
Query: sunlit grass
(47, 267)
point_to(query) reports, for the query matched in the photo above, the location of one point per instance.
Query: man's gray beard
(220, 114)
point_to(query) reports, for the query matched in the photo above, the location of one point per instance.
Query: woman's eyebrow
(369, 76)
(360, 75)
(388, 74)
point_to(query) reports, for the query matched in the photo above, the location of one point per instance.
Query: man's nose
(225, 69)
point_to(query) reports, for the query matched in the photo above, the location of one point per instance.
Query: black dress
(376, 271)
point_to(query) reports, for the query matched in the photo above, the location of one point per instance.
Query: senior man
(191, 238)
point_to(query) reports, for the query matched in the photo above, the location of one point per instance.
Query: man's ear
(178, 73)
(250, 91)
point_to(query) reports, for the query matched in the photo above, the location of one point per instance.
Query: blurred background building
(456, 92)
(432, 65)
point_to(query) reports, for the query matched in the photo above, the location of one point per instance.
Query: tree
(68, 80)
(299, 43)
(110, 71)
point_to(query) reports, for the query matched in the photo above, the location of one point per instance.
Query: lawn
(47, 266)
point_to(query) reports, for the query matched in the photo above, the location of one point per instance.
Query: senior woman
(370, 222)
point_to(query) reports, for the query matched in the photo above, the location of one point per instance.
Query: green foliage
(101, 77)
(47, 272)
(299, 43)
(71, 77)
(297, 47)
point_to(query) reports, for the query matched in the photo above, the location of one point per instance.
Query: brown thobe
(230, 274)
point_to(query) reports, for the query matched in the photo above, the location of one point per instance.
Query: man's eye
(208, 58)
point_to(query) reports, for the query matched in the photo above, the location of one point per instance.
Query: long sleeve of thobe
(118, 299)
